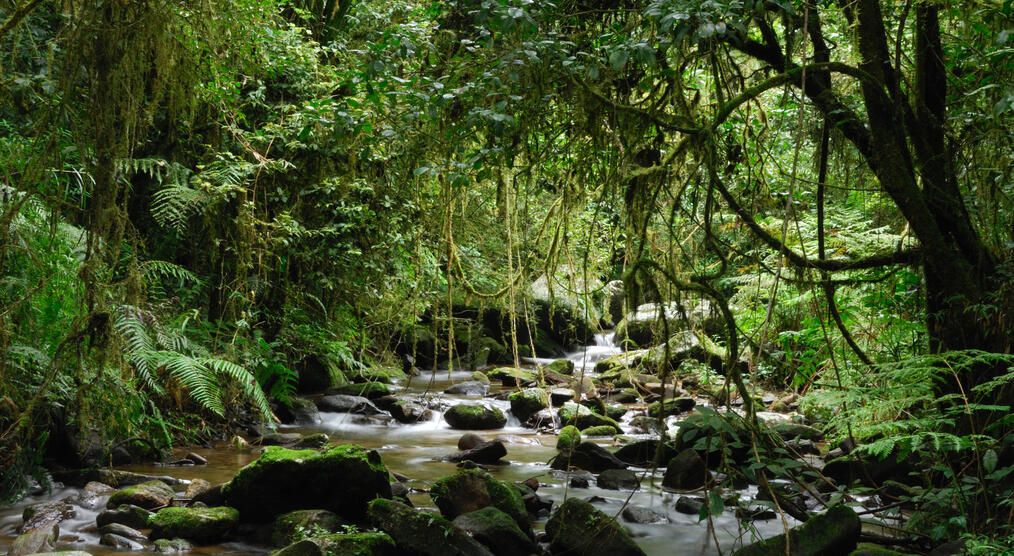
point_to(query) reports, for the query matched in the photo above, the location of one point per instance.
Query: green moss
(568, 439)
(480, 376)
(475, 417)
(579, 528)
(527, 402)
(147, 495)
(200, 525)
(472, 489)
(300, 524)
(870, 549)
(510, 374)
(355, 544)
(561, 366)
(601, 430)
(371, 390)
(672, 406)
(382, 374)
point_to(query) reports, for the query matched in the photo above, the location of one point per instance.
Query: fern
(173, 205)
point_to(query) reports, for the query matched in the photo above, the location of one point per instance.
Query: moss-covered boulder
(618, 479)
(600, 430)
(342, 479)
(514, 377)
(475, 417)
(406, 411)
(588, 456)
(422, 533)
(197, 525)
(584, 418)
(627, 360)
(686, 471)
(342, 544)
(642, 453)
(125, 514)
(378, 373)
(561, 366)
(473, 489)
(35, 540)
(792, 431)
(528, 402)
(171, 546)
(368, 390)
(568, 438)
(833, 533)
(870, 549)
(291, 527)
(672, 406)
(497, 531)
(147, 495)
(579, 529)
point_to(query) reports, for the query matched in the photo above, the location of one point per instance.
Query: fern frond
(172, 205)
(247, 383)
(192, 374)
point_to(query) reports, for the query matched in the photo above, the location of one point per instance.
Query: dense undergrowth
(205, 205)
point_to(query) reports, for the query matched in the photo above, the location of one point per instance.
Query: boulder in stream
(298, 411)
(197, 525)
(638, 514)
(343, 544)
(473, 489)
(579, 529)
(686, 471)
(568, 439)
(561, 366)
(149, 495)
(672, 406)
(485, 452)
(292, 526)
(588, 456)
(497, 531)
(422, 533)
(35, 540)
(409, 412)
(468, 388)
(342, 479)
(342, 403)
(618, 479)
(641, 453)
(475, 417)
(126, 514)
(45, 514)
(833, 533)
(528, 402)
(513, 377)
(369, 390)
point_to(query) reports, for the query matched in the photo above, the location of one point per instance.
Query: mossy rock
(475, 417)
(498, 531)
(292, 526)
(171, 546)
(528, 402)
(789, 431)
(382, 374)
(561, 366)
(511, 376)
(587, 421)
(870, 549)
(570, 410)
(147, 495)
(579, 529)
(198, 525)
(601, 430)
(342, 544)
(836, 531)
(368, 390)
(312, 441)
(422, 533)
(342, 479)
(473, 489)
(615, 411)
(480, 376)
(568, 438)
(672, 406)
(626, 360)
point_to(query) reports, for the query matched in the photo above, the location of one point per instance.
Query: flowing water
(415, 450)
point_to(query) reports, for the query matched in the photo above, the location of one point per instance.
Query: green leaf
(618, 59)
(989, 460)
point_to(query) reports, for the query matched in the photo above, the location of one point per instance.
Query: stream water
(414, 451)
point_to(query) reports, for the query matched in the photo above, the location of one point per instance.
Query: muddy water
(414, 451)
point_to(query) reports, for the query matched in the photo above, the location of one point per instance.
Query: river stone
(36, 540)
(170, 546)
(469, 440)
(686, 471)
(560, 396)
(342, 403)
(560, 366)
(673, 406)
(618, 479)
(196, 488)
(641, 453)
(468, 388)
(126, 514)
(690, 505)
(45, 514)
(601, 430)
(408, 412)
(198, 459)
(211, 497)
(197, 525)
(91, 496)
(298, 411)
(579, 529)
(833, 533)
(473, 489)
(369, 390)
(590, 420)
(638, 514)
(280, 438)
(509, 376)
(487, 452)
(528, 402)
(475, 417)
(341, 544)
(120, 543)
(123, 531)
(312, 441)
(790, 431)
(342, 479)
(422, 532)
(292, 526)
(568, 439)
(870, 549)
(588, 456)
(498, 531)
(149, 495)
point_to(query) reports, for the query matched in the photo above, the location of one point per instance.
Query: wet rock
(292, 526)
(198, 459)
(834, 532)
(594, 420)
(755, 513)
(487, 452)
(870, 549)
(91, 496)
(473, 489)
(36, 540)
(350, 544)
(469, 440)
(528, 402)
(469, 388)
(641, 453)
(342, 403)
(422, 532)
(803, 447)
(210, 497)
(646, 516)
(171, 546)
(612, 303)
(510, 376)
(669, 407)
(684, 346)
(197, 525)
(581, 481)
(625, 395)
(590, 457)
(544, 418)
(386, 375)
(560, 366)
(400, 492)
(298, 411)
(312, 441)
(475, 417)
(686, 471)
(579, 529)
(409, 412)
(559, 396)
(123, 531)
(790, 431)
(601, 430)
(868, 471)
(120, 543)
(280, 438)
(342, 479)
(368, 390)
(153, 494)
(690, 505)
(568, 439)
(112, 477)
(618, 479)
(645, 425)
(126, 514)
(498, 531)
(45, 514)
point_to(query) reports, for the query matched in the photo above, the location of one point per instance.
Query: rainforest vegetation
(208, 207)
